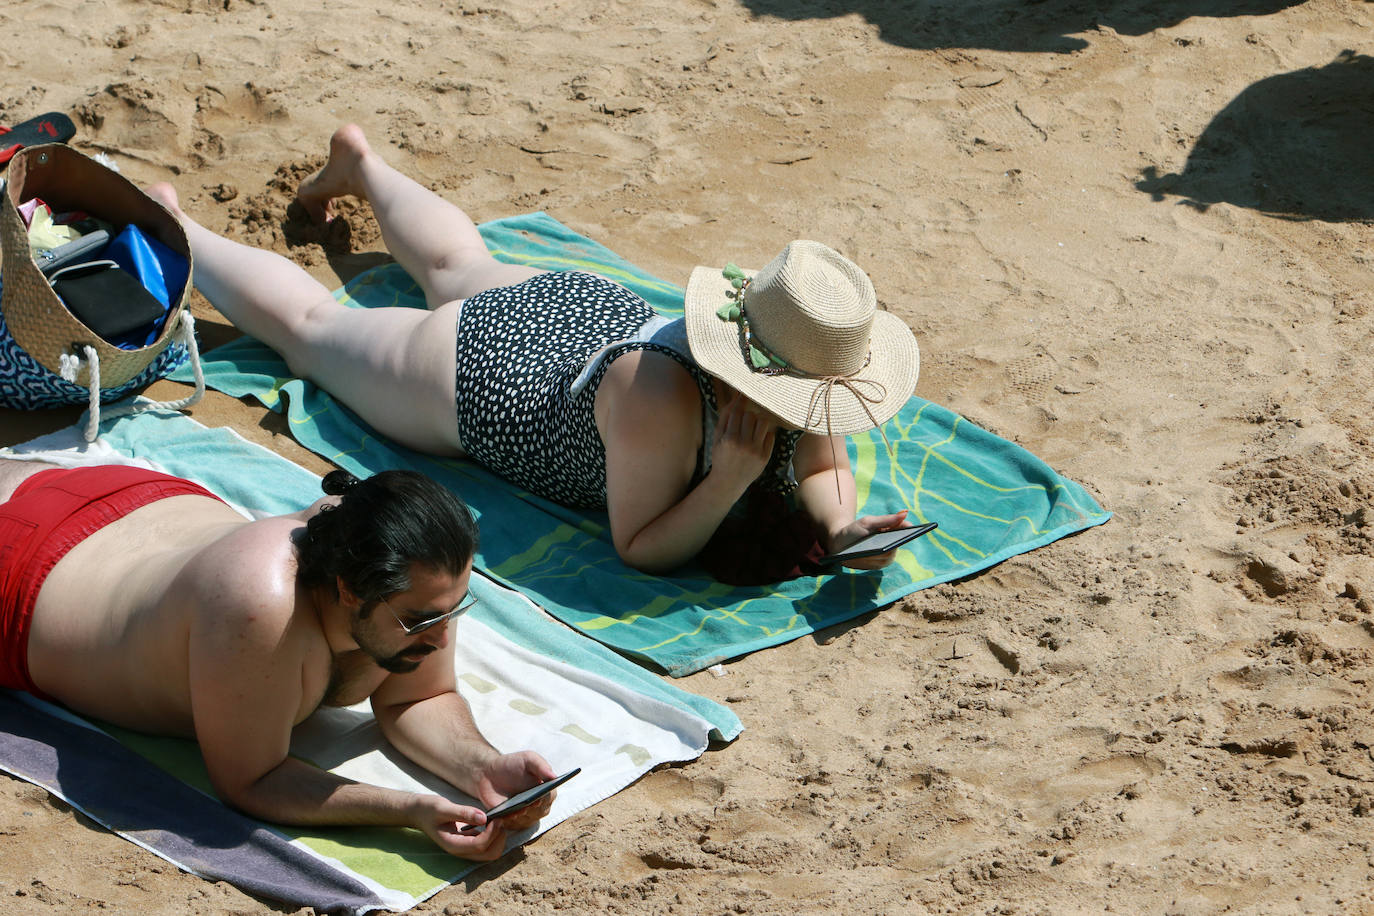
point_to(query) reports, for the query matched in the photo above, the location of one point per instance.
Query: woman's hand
(742, 444)
(861, 528)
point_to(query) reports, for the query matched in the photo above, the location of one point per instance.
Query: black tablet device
(878, 543)
(522, 800)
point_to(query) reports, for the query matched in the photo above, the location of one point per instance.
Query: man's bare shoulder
(248, 574)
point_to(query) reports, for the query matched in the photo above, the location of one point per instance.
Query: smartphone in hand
(881, 542)
(520, 800)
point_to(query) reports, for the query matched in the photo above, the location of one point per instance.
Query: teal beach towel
(991, 498)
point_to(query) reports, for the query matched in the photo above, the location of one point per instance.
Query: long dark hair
(379, 528)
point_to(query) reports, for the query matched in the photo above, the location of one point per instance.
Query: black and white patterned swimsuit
(530, 359)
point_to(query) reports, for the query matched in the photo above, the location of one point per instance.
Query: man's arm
(423, 716)
(296, 792)
(247, 679)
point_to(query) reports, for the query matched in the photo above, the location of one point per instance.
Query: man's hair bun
(337, 483)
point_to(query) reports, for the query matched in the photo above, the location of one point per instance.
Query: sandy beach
(1135, 238)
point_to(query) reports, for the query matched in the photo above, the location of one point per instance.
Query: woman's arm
(648, 412)
(826, 490)
(825, 484)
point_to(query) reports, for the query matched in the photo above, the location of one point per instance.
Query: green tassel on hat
(762, 360)
(731, 310)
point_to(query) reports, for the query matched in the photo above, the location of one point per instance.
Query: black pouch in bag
(106, 299)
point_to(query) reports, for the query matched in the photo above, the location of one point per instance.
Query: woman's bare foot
(339, 177)
(166, 195)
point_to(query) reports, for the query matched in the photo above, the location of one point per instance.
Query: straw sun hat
(803, 337)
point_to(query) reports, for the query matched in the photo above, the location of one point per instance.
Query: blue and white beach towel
(531, 682)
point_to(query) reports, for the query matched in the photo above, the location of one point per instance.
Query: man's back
(115, 620)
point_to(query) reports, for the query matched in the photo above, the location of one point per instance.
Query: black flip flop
(53, 127)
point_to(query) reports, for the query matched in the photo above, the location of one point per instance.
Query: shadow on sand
(1297, 145)
(1011, 25)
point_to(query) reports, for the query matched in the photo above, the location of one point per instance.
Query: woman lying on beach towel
(572, 387)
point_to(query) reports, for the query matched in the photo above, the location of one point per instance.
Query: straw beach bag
(48, 357)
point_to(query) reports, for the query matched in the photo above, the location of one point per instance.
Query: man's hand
(511, 774)
(861, 528)
(442, 821)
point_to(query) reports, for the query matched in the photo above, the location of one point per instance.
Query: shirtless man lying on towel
(144, 600)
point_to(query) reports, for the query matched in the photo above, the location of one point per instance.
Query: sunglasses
(412, 628)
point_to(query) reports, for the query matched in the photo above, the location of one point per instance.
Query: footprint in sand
(1281, 686)
(1096, 771)
(138, 120)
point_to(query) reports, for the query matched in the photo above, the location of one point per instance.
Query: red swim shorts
(50, 513)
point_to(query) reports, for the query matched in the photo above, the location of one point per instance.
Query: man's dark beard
(398, 663)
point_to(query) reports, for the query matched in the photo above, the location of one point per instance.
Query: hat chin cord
(821, 397)
(70, 366)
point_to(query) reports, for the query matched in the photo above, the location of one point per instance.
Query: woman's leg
(434, 241)
(393, 366)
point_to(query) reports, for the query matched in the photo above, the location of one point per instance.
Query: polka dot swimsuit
(520, 350)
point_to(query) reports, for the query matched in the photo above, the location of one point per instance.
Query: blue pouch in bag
(161, 270)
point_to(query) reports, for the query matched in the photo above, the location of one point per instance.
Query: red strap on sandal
(51, 127)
